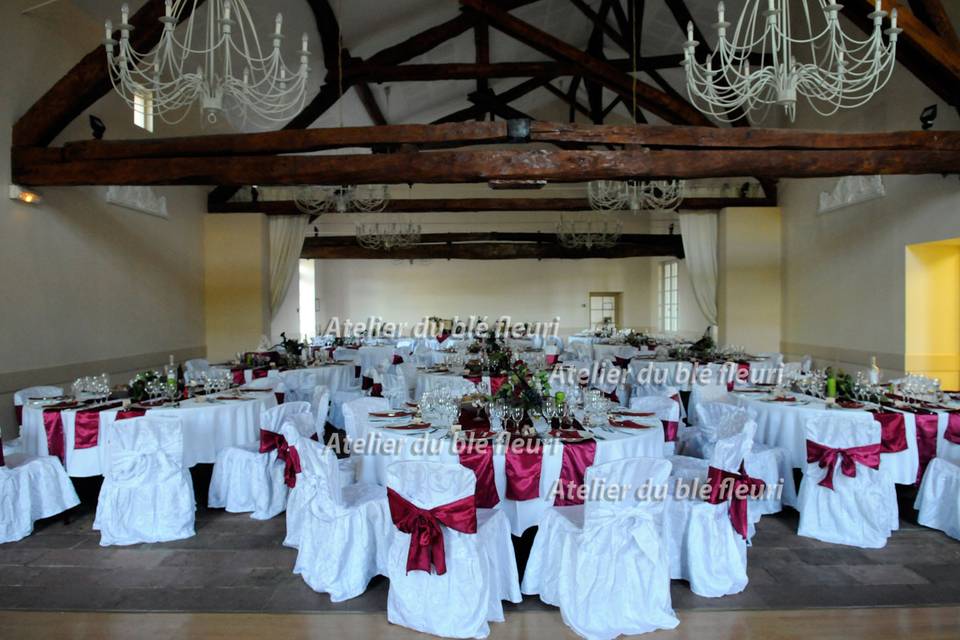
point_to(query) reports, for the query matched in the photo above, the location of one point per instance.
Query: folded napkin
(231, 398)
(628, 424)
(635, 414)
(570, 434)
(407, 427)
(849, 404)
(783, 399)
(391, 414)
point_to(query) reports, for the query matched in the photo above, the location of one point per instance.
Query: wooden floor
(918, 623)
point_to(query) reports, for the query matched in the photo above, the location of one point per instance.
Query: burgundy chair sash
(285, 453)
(376, 390)
(238, 377)
(423, 525)
(893, 431)
(260, 372)
(1, 451)
(926, 440)
(576, 458)
(612, 396)
(441, 337)
(18, 410)
(86, 426)
(279, 395)
(736, 488)
(366, 383)
(670, 428)
(867, 455)
(953, 428)
(356, 371)
(479, 459)
(523, 466)
(397, 359)
(621, 363)
(53, 425)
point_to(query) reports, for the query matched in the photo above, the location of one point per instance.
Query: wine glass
(550, 410)
(516, 413)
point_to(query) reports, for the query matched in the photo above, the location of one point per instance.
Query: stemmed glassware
(498, 410)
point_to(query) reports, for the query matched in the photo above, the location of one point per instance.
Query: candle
(108, 25)
(279, 23)
(831, 387)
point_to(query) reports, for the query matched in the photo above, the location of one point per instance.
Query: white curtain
(699, 232)
(286, 243)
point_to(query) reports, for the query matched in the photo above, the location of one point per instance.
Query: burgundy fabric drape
(53, 425)
(479, 459)
(366, 383)
(1, 452)
(953, 429)
(397, 359)
(926, 440)
(86, 426)
(735, 488)
(423, 525)
(238, 377)
(868, 455)
(130, 413)
(18, 410)
(576, 458)
(523, 465)
(279, 395)
(285, 453)
(893, 431)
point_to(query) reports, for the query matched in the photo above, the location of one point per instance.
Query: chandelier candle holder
(635, 196)
(219, 64)
(387, 235)
(588, 235)
(825, 65)
(342, 199)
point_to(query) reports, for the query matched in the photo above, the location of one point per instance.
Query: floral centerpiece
(525, 388)
(635, 339)
(138, 385)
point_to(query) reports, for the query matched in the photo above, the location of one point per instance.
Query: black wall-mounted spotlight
(97, 127)
(927, 117)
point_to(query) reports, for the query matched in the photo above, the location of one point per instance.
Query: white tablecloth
(207, 428)
(430, 381)
(616, 445)
(682, 374)
(335, 377)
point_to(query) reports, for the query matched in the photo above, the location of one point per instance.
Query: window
(143, 110)
(667, 297)
(604, 309)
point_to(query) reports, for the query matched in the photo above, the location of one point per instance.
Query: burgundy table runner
(576, 458)
(479, 459)
(893, 431)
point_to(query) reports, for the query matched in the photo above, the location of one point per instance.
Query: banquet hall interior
(469, 318)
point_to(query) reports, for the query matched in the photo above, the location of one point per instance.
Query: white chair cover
(147, 494)
(342, 534)
(245, 480)
(603, 563)
(196, 365)
(321, 407)
(703, 546)
(938, 499)
(481, 567)
(700, 393)
(267, 383)
(859, 511)
(21, 397)
(666, 410)
(356, 414)
(31, 488)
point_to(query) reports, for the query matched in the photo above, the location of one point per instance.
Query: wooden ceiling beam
(87, 81)
(652, 98)
(445, 248)
(470, 133)
(934, 14)
(462, 166)
(478, 205)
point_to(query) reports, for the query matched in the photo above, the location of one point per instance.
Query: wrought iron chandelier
(635, 196)
(387, 235)
(368, 198)
(589, 234)
(218, 63)
(828, 67)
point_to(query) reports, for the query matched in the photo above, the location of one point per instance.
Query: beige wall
(748, 286)
(237, 284)
(87, 287)
(933, 335)
(844, 272)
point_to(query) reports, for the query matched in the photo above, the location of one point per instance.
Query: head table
(209, 425)
(386, 446)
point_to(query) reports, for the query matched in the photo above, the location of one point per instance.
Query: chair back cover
(267, 383)
(321, 406)
(196, 365)
(355, 415)
(730, 449)
(430, 484)
(22, 396)
(272, 418)
(664, 408)
(145, 449)
(319, 478)
(632, 475)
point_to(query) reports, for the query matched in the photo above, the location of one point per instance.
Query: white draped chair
(147, 493)
(31, 488)
(704, 547)
(193, 369)
(480, 567)
(356, 418)
(667, 411)
(342, 535)
(320, 405)
(603, 563)
(835, 506)
(938, 499)
(700, 393)
(23, 396)
(245, 480)
(770, 464)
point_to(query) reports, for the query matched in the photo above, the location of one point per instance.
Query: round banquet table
(371, 357)
(433, 380)
(208, 427)
(780, 424)
(386, 447)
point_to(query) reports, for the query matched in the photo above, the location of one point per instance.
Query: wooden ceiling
(461, 147)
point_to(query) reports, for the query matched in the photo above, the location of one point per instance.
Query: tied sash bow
(285, 453)
(736, 488)
(867, 455)
(423, 525)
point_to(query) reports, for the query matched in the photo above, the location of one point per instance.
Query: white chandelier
(635, 196)
(831, 69)
(342, 199)
(219, 64)
(387, 235)
(589, 234)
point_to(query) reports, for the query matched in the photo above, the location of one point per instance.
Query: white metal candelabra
(387, 235)
(589, 234)
(219, 64)
(828, 67)
(342, 199)
(631, 195)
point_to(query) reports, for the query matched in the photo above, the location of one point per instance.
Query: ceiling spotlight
(24, 195)
(927, 116)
